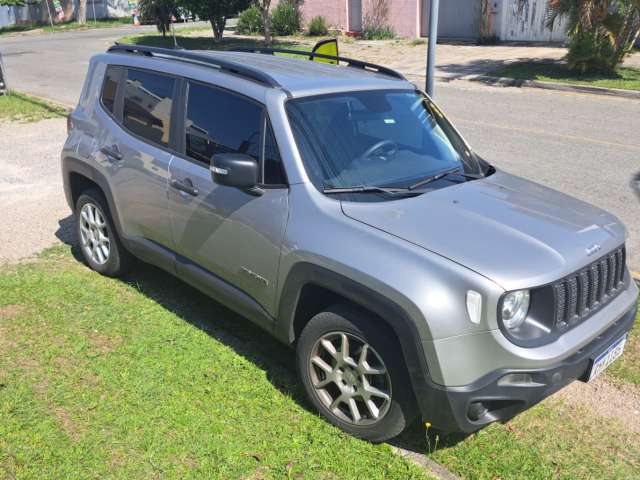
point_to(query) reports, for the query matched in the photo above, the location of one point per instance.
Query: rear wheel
(354, 375)
(99, 243)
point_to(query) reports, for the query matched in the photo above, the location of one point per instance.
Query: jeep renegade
(338, 208)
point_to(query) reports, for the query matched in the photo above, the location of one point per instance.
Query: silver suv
(336, 207)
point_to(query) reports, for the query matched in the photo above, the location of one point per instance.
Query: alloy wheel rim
(350, 378)
(94, 235)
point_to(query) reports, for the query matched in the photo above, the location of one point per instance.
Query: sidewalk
(454, 61)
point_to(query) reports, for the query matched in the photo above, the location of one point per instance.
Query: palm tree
(602, 32)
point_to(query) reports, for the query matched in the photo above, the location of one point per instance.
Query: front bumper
(504, 393)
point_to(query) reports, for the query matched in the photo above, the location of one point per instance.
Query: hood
(515, 232)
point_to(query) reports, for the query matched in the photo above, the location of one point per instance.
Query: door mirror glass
(234, 170)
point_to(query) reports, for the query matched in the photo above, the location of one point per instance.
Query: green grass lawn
(145, 377)
(625, 78)
(16, 106)
(73, 25)
(191, 42)
(627, 368)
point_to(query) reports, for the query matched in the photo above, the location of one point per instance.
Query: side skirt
(208, 283)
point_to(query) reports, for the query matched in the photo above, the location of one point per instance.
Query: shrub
(601, 32)
(318, 27)
(250, 21)
(488, 40)
(285, 19)
(383, 32)
(374, 23)
(590, 54)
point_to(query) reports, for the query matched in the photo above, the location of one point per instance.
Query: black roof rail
(201, 58)
(349, 61)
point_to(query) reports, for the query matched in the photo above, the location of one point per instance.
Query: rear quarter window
(112, 77)
(148, 101)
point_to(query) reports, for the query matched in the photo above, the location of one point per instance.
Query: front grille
(583, 292)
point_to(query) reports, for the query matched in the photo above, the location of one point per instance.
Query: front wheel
(354, 374)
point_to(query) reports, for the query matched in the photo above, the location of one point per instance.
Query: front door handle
(112, 153)
(186, 186)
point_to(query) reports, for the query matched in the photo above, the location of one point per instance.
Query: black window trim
(181, 117)
(266, 122)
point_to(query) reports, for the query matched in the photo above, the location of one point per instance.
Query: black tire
(119, 259)
(358, 325)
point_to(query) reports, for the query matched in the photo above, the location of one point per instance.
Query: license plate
(606, 358)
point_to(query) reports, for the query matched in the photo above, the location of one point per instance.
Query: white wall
(525, 20)
(37, 12)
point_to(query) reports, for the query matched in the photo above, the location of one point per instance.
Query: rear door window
(148, 100)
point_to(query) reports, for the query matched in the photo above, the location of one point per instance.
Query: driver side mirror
(235, 170)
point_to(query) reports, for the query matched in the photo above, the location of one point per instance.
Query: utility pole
(433, 38)
(3, 78)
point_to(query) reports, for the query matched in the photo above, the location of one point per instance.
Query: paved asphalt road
(585, 145)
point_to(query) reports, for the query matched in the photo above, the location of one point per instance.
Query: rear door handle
(112, 152)
(186, 186)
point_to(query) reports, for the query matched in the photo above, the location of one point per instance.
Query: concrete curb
(564, 87)
(425, 462)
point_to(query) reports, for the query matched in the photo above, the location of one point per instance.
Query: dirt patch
(68, 425)
(6, 344)
(607, 400)
(103, 343)
(11, 311)
(34, 209)
(260, 473)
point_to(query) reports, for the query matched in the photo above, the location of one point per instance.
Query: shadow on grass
(482, 66)
(558, 71)
(246, 339)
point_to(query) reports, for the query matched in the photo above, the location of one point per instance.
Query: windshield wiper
(365, 189)
(441, 175)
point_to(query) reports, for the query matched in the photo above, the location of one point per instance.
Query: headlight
(515, 306)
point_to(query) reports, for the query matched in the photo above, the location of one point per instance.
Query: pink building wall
(335, 11)
(403, 14)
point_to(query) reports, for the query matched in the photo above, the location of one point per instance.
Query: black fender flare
(71, 165)
(404, 327)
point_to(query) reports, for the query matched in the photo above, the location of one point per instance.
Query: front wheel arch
(294, 312)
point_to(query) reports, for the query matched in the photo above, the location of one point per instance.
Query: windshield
(376, 138)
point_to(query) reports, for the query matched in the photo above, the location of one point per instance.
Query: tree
(81, 15)
(12, 3)
(67, 8)
(602, 32)
(216, 12)
(263, 6)
(160, 11)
